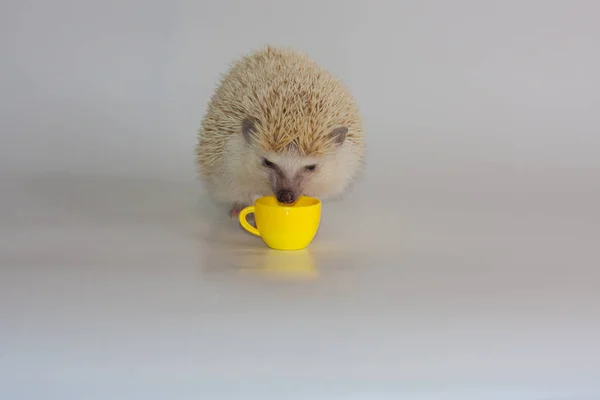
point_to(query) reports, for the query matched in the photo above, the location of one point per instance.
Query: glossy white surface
(124, 288)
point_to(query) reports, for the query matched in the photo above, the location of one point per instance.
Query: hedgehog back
(295, 105)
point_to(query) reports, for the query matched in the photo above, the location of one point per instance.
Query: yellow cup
(284, 227)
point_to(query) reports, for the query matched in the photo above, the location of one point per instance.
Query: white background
(470, 266)
(120, 87)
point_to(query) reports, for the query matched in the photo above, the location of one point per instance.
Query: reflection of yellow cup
(276, 264)
(284, 227)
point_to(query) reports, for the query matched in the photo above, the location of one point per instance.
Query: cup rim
(317, 202)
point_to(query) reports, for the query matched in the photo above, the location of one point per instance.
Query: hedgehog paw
(235, 210)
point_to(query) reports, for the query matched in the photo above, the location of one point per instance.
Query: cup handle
(244, 222)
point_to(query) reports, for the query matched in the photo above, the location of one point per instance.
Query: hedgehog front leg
(236, 208)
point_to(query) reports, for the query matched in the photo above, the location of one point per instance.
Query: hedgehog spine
(279, 124)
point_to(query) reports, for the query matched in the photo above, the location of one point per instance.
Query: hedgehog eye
(311, 167)
(268, 163)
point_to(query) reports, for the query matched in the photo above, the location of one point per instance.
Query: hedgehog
(279, 124)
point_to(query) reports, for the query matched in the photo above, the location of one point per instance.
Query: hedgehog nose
(285, 196)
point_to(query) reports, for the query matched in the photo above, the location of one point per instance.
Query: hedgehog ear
(248, 128)
(339, 135)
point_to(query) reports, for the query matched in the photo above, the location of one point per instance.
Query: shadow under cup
(284, 227)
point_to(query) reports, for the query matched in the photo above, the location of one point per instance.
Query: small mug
(284, 227)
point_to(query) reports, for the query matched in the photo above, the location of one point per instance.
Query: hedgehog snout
(285, 196)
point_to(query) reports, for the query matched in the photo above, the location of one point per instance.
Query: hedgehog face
(289, 174)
